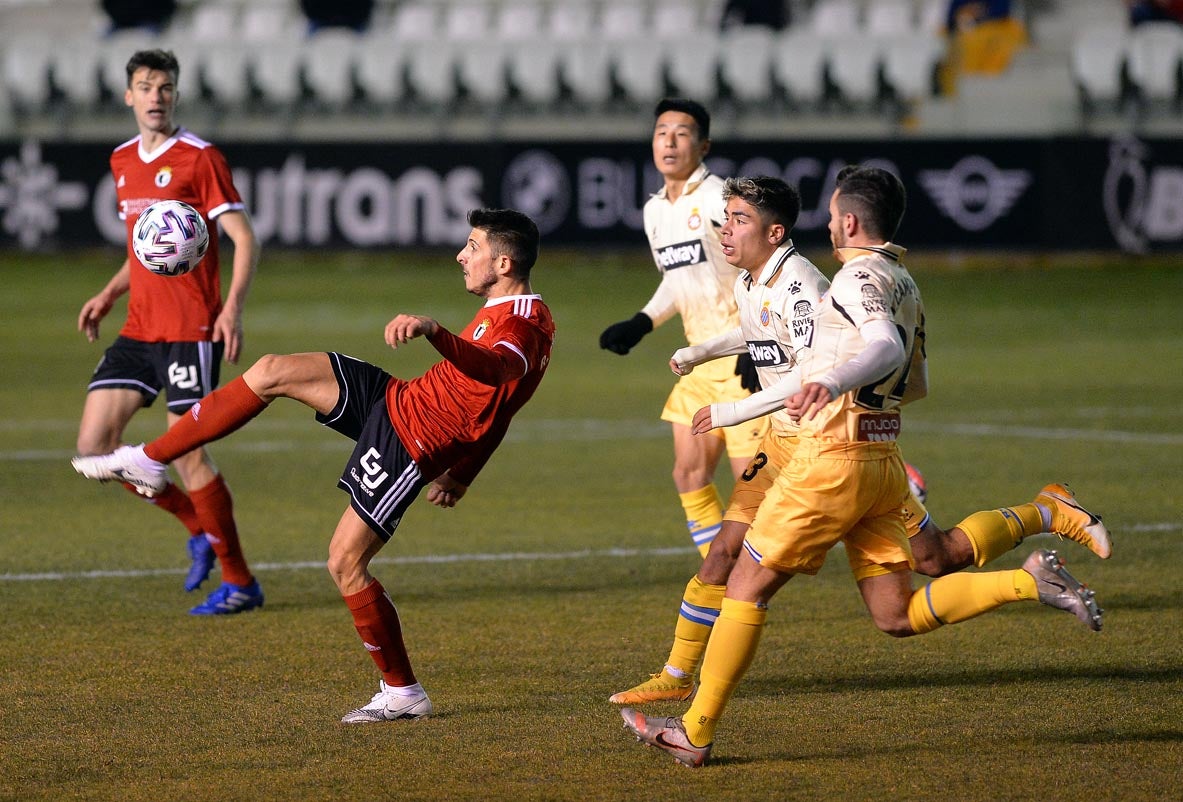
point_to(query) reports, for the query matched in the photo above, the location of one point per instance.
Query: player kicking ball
(435, 431)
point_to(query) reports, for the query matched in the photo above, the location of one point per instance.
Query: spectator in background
(984, 36)
(353, 14)
(771, 13)
(1155, 11)
(153, 15)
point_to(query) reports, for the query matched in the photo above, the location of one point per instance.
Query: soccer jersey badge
(694, 221)
(480, 330)
(164, 177)
(765, 314)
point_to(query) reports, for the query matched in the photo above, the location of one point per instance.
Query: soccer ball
(916, 482)
(169, 238)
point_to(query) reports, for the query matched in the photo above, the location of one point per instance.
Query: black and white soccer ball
(170, 238)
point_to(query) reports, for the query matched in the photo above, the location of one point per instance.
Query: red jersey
(453, 416)
(184, 168)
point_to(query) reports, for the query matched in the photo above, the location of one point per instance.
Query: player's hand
(445, 491)
(702, 422)
(405, 328)
(678, 367)
(228, 330)
(745, 368)
(93, 311)
(806, 402)
(619, 338)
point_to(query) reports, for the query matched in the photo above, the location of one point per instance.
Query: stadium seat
(853, 67)
(675, 18)
(328, 64)
(586, 69)
(569, 21)
(910, 62)
(75, 68)
(930, 17)
(266, 22)
(534, 71)
(798, 64)
(482, 72)
(415, 21)
(26, 67)
(693, 64)
(890, 18)
(381, 61)
(835, 18)
(225, 71)
(519, 20)
(212, 22)
(275, 69)
(1098, 57)
(639, 68)
(1155, 51)
(623, 19)
(466, 21)
(431, 72)
(745, 63)
(116, 49)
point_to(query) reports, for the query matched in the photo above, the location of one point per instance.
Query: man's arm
(228, 326)
(492, 366)
(882, 353)
(94, 310)
(770, 399)
(728, 343)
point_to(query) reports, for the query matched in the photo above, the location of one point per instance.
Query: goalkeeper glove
(620, 337)
(745, 368)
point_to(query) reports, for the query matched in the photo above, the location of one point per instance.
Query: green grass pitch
(557, 579)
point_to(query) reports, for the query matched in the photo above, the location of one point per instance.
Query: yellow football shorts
(855, 496)
(712, 383)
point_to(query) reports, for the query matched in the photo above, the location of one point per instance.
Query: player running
(178, 328)
(682, 222)
(435, 431)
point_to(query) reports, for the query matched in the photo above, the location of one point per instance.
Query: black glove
(745, 368)
(620, 337)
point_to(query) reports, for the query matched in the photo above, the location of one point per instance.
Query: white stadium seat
(910, 62)
(519, 20)
(328, 64)
(1098, 55)
(116, 49)
(26, 66)
(623, 20)
(431, 72)
(639, 68)
(225, 69)
(1155, 51)
(693, 63)
(798, 64)
(890, 18)
(854, 68)
(534, 70)
(275, 68)
(75, 66)
(467, 21)
(835, 18)
(586, 69)
(745, 62)
(570, 20)
(415, 21)
(482, 72)
(675, 19)
(379, 68)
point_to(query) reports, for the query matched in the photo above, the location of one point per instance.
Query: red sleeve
(502, 363)
(215, 183)
(467, 467)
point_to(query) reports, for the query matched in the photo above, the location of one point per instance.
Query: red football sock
(173, 499)
(217, 415)
(376, 620)
(215, 508)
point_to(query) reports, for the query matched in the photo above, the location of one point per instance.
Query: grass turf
(555, 582)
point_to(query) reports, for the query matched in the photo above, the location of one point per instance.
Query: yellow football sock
(704, 515)
(699, 611)
(959, 597)
(993, 533)
(729, 653)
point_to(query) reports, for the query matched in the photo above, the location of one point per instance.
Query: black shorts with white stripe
(186, 371)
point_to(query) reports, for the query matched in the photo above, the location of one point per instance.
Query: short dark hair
(875, 196)
(161, 60)
(776, 201)
(510, 233)
(687, 106)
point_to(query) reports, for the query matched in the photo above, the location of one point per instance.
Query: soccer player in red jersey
(178, 328)
(435, 431)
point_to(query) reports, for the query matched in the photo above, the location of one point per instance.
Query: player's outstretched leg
(126, 464)
(667, 734)
(1073, 521)
(1058, 588)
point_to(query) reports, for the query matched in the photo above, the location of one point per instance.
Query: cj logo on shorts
(374, 473)
(182, 376)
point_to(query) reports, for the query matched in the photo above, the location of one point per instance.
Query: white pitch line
(444, 559)
(592, 429)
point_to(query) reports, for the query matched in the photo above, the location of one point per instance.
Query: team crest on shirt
(694, 221)
(164, 177)
(765, 314)
(480, 330)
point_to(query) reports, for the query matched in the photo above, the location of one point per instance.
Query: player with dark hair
(682, 224)
(435, 431)
(841, 477)
(778, 293)
(178, 327)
